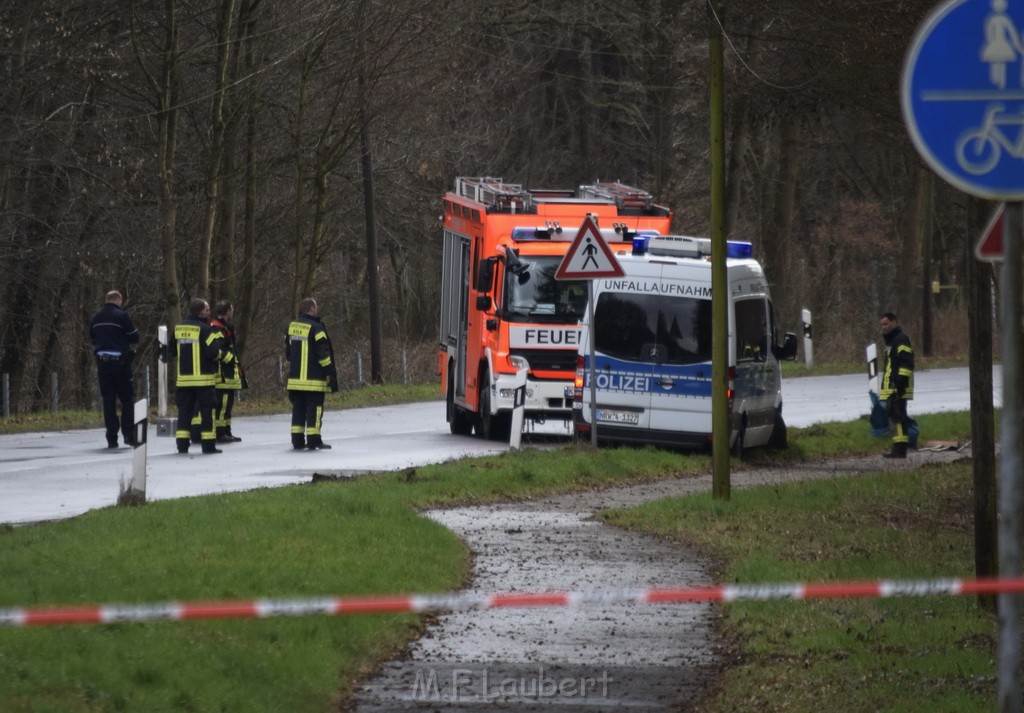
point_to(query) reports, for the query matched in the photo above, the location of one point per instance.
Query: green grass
(338, 539)
(901, 654)
(351, 538)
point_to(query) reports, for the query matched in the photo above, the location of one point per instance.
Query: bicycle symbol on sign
(979, 149)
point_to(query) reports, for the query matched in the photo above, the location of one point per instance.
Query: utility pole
(720, 485)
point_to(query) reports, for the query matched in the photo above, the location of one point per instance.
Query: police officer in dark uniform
(311, 374)
(897, 383)
(114, 336)
(198, 348)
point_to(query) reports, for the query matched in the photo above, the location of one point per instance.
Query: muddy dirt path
(638, 658)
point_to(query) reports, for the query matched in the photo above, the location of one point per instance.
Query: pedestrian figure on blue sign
(1002, 44)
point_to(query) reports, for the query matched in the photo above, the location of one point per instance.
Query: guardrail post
(518, 411)
(134, 493)
(7, 395)
(164, 425)
(54, 393)
(805, 315)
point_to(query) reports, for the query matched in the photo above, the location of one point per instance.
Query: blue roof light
(640, 244)
(738, 249)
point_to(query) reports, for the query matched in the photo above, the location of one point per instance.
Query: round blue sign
(963, 95)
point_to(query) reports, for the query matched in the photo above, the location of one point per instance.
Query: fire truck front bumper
(549, 399)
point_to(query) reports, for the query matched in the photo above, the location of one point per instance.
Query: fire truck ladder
(619, 193)
(494, 193)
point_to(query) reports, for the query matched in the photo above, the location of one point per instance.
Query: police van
(652, 352)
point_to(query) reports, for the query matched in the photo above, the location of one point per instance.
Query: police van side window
(751, 330)
(653, 328)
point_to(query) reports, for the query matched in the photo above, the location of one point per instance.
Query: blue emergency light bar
(738, 248)
(690, 247)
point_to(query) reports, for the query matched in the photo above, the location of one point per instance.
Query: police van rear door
(681, 378)
(625, 319)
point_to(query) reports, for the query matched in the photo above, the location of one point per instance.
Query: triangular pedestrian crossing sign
(588, 256)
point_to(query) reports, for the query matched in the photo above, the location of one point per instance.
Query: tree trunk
(225, 17)
(247, 289)
(167, 119)
(921, 234)
(983, 447)
(777, 246)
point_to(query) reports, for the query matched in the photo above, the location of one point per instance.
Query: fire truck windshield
(534, 295)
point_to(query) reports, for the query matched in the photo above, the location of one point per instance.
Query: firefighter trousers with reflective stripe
(195, 401)
(307, 416)
(899, 421)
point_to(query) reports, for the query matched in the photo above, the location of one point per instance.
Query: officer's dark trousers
(115, 377)
(307, 416)
(192, 401)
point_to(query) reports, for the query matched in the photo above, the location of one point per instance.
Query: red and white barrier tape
(261, 608)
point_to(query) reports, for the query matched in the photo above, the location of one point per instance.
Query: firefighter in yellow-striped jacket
(199, 350)
(311, 374)
(897, 383)
(230, 378)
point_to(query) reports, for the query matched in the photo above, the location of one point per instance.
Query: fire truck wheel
(459, 422)
(491, 427)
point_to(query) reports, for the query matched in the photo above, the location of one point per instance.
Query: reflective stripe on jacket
(198, 349)
(308, 350)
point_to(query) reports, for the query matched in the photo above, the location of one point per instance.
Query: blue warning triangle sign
(588, 256)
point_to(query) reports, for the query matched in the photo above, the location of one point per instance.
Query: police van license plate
(627, 417)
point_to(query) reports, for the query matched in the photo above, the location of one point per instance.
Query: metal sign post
(592, 376)
(588, 258)
(962, 101)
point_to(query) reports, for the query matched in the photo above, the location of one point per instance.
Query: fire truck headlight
(518, 362)
(510, 393)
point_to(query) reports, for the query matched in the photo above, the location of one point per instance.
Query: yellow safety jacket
(899, 366)
(198, 350)
(308, 350)
(229, 375)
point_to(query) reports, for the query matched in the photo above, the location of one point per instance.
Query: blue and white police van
(652, 358)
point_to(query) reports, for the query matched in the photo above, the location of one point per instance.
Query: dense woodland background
(265, 150)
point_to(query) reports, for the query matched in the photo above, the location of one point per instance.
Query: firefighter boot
(316, 443)
(210, 446)
(223, 436)
(183, 444)
(899, 450)
(298, 441)
(230, 435)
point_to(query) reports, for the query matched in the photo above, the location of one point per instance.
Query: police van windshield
(653, 328)
(534, 295)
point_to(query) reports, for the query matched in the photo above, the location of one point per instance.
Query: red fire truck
(502, 310)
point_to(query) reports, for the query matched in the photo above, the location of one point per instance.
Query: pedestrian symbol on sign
(963, 95)
(588, 256)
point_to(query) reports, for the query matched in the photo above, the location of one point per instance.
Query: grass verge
(345, 538)
(901, 654)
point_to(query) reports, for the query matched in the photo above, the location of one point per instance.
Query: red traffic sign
(588, 256)
(990, 247)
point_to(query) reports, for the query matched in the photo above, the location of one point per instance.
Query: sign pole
(958, 104)
(592, 376)
(1010, 489)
